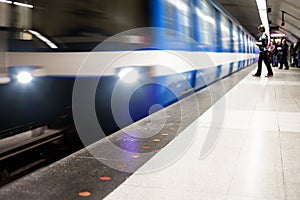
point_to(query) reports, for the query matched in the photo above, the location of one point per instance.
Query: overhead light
(23, 4)
(262, 9)
(24, 77)
(43, 38)
(5, 1)
(278, 35)
(17, 3)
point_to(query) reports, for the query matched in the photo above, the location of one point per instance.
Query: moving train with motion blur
(116, 59)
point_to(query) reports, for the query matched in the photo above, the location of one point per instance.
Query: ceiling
(246, 12)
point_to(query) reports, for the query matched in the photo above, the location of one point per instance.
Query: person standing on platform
(297, 50)
(262, 43)
(274, 52)
(284, 49)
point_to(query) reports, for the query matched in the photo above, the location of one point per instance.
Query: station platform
(242, 142)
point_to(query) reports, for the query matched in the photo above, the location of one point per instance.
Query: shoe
(255, 75)
(279, 67)
(286, 68)
(268, 75)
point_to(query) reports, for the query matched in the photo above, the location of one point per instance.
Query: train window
(225, 32)
(178, 16)
(249, 45)
(246, 42)
(207, 16)
(169, 19)
(235, 38)
(184, 17)
(241, 38)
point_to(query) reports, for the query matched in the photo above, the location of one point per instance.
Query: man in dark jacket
(284, 49)
(262, 43)
(297, 50)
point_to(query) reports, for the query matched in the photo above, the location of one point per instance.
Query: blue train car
(174, 49)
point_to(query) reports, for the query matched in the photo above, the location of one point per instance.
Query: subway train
(131, 65)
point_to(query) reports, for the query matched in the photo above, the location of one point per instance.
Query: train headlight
(24, 77)
(128, 75)
(4, 79)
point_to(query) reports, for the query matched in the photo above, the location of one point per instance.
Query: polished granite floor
(256, 157)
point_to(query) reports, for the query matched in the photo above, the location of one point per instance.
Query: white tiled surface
(256, 157)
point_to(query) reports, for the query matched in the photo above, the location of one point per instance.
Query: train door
(205, 25)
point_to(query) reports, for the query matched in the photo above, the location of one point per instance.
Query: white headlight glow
(24, 77)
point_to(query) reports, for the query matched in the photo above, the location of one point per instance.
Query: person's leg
(285, 62)
(276, 60)
(267, 63)
(258, 72)
(299, 59)
(280, 61)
